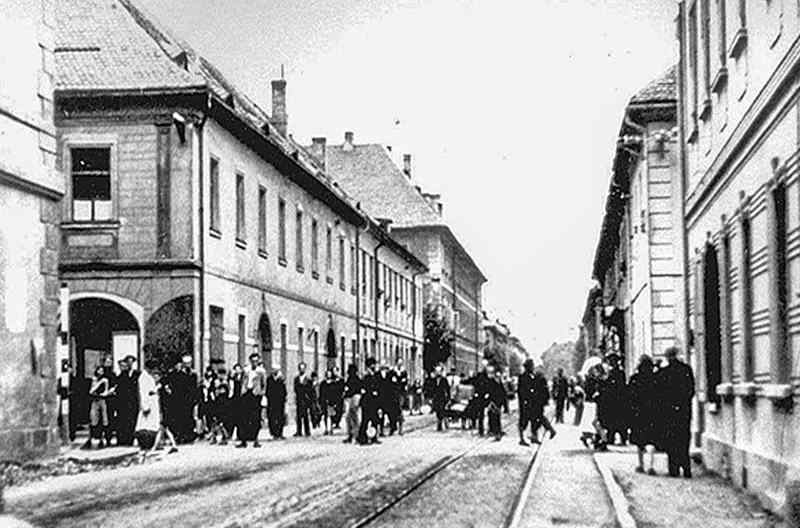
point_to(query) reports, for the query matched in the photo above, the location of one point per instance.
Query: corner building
(739, 110)
(193, 224)
(30, 189)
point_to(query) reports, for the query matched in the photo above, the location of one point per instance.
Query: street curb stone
(622, 508)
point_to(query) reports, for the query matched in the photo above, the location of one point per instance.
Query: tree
(439, 338)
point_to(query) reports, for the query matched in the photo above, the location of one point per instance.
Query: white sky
(510, 110)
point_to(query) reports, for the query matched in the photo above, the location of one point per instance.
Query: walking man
(440, 396)
(254, 387)
(303, 399)
(560, 389)
(482, 396)
(370, 402)
(352, 397)
(676, 381)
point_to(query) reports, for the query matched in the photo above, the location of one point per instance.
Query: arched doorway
(330, 349)
(101, 332)
(169, 332)
(711, 323)
(265, 341)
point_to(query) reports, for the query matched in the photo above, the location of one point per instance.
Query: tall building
(30, 188)
(739, 127)
(637, 261)
(193, 224)
(453, 284)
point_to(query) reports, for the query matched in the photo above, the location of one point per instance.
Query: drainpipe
(202, 234)
(414, 315)
(358, 287)
(377, 284)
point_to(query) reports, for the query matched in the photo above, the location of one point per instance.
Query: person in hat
(304, 396)
(676, 388)
(254, 386)
(276, 404)
(440, 396)
(127, 396)
(353, 391)
(370, 402)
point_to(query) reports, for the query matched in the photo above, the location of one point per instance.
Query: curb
(622, 508)
(101, 460)
(527, 486)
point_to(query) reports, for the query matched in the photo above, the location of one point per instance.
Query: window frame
(281, 231)
(71, 144)
(215, 218)
(262, 220)
(241, 210)
(298, 238)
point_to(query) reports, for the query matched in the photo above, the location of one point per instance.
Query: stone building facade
(739, 125)
(638, 261)
(30, 188)
(193, 224)
(453, 282)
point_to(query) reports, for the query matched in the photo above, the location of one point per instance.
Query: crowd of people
(651, 410)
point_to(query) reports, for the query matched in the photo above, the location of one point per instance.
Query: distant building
(30, 188)
(638, 261)
(454, 282)
(193, 224)
(739, 101)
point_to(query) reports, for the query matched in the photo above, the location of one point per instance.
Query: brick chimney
(279, 116)
(407, 165)
(348, 142)
(318, 150)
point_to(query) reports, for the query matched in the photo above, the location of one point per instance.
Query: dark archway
(93, 322)
(711, 323)
(169, 332)
(265, 341)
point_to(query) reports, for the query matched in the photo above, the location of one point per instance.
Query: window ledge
(329, 280)
(739, 44)
(341, 286)
(720, 81)
(692, 137)
(315, 274)
(300, 268)
(215, 233)
(282, 261)
(352, 291)
(745, 390)
(725, 389)
(263, 253)
(105, 224)
(241, 244)
(775, 391)
(705, 110)
(714, 407)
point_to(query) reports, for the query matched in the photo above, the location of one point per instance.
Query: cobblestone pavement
(296, 482)
(705, 500)
(568, 491)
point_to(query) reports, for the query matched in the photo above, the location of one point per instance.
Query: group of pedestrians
(651, 410)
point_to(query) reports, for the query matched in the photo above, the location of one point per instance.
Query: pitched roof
(370, 176)
(100, 46)
(662, 89)
(368, 173)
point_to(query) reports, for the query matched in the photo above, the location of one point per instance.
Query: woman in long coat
(643, 397)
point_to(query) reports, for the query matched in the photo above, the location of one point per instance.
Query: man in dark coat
(276, 404)
(184, 396)
(525, 397)
(440, 396)
(127, 403)
(560, 394)
(336, 391)
(370, 403)
(676, 386)
(617, 405)
(541, 397)
(481, 385)
(385, 396)
(303, 400)
(400, 394)
(497, 400)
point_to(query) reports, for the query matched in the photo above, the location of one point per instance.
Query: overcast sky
(510, 110)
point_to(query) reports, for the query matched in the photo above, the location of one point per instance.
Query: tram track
(513, 516)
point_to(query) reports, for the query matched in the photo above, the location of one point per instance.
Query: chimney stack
(348, 141)
(318, 150)
(279, 116)
(407, 165)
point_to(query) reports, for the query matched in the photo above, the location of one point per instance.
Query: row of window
(718, 316)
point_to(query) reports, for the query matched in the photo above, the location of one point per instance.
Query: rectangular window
(316, 351)
(299, 239)
(353, 269)
(341, 263)
(314, 248)
(241, 351)
(364, 274)
(217, 335)
(722, 38)
(781, 368)
(240, 220)
(214, 198)
(284, 347)
(692, 22)
(282, 231)
(706, 35)
(91, 184)
(328, 251)
(745, 284)
(262, 220)
(300, 342)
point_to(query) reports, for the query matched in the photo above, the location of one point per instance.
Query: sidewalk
(705, 500)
